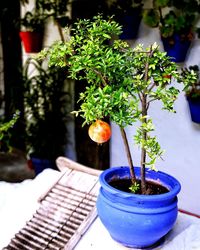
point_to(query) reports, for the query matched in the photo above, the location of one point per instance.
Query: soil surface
(153, 188)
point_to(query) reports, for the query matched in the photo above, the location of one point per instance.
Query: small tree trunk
(143, 150)
(144, 133)
(143, 181)
(128, 153)
(143, 160)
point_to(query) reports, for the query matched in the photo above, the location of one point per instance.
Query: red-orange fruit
(99, 131)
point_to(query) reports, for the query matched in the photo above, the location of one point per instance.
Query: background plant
(173, 17)
(122, 7)
(34, 19)
(5, 131)
(46, 109)
(57, 10)
(122, 83)
(191, 76)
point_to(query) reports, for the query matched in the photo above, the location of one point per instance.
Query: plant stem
(128, 153)
(143, 150)
(102, 78)
(60, 32)
(161, 16)
(144, 120)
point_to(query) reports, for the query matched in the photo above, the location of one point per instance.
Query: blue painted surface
(178, 49)
(194, 106)
(40, 164)
(130, 26)
(137, 220)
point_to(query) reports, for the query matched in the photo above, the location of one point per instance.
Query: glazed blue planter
(137, 221)
(130, 25)
(178, 49)
(41, 164)
(194, 106)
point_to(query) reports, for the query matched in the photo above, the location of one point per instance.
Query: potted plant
(137, 205)
(58, 10)
(45, 102)
(192, 90)
(176, 22)
(127, 13)
(33, 22)
(32, 30)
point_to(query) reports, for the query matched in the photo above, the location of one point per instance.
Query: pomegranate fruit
(99, 131)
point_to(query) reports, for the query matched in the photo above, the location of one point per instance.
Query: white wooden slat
(66, 210)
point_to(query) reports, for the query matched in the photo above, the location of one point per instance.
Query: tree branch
(128, 153)
(100, 75)
(144, 120)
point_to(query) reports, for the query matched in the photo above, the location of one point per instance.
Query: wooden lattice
(65, 212)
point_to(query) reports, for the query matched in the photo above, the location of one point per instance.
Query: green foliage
(122, 81)
(173, 17)
(46, 109)
(189, 6)
(174, 23)
(35, 19)
(57, 9)
(191, 81)
(5, 128)
(134, 187)
(121, 7)
(151, 17)
(149, 143)
(161, 3)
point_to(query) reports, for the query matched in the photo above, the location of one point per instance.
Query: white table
(18, 202)
(184, 236)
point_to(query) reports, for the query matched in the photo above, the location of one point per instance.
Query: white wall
(178, 136)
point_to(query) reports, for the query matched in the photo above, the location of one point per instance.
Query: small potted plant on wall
(58, 11)
(32, 30)
(137, 205)
(45, 102)
(176, 22)
(33, 22)
(191, 75)
(129, 14)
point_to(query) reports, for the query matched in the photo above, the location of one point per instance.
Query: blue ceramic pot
(194, 106)
(134, 220)
(130, 25)
(177, 49)
(40, 164)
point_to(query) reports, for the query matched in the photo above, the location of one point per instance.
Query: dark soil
(153, 188)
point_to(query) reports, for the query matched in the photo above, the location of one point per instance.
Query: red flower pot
(32, 41)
